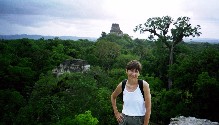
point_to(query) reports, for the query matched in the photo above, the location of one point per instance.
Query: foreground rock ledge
(181, 120)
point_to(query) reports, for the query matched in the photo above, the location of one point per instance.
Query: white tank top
(133, 103)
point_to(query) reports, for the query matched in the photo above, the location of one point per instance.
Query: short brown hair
(134, 64)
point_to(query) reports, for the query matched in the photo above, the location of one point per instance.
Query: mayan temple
(116, 29)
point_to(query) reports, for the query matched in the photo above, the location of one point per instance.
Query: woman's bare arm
(147, 96)
(114, 95)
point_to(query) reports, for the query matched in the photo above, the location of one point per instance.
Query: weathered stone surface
(116, 29)
(76, 65)
(181, 120)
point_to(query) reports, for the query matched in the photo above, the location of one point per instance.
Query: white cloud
(90, 18)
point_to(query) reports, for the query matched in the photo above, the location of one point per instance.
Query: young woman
(136, 104)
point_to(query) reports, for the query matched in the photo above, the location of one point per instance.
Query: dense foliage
(169, 32)
(31, 94)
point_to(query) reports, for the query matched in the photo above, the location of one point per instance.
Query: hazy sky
(89, 18)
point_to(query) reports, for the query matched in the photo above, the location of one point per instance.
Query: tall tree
(106, 52)
(161, 26)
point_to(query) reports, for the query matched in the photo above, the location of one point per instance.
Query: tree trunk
(170, 82)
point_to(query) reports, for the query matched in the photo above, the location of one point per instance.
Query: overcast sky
(89, 18)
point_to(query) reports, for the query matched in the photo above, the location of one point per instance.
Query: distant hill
(36, 37)
(203, 40)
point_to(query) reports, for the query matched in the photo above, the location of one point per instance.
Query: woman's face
(133, 73)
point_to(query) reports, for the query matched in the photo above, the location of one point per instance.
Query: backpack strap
(123, 84)
(140, 82)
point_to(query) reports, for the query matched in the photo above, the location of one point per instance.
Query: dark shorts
(132, 120)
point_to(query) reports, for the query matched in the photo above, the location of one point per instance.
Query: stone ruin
(181, 120)
(75, 65)
(116, 29)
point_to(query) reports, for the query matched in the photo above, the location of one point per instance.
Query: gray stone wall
(116, 29)
(181, 120)
(76, 65)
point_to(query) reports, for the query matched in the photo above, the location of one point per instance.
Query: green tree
(171, 104)
(81, 119)
(122, 60)
(188, 66)
(196, 71)
(55, 98)
(103, 34)
(124, 41)
(58, 54)
(107, 52)
(160, 26)
(206, 97)
(101, 107)
(10, 101)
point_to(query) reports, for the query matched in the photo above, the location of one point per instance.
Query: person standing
(136, 97)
